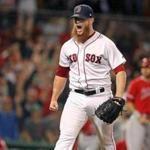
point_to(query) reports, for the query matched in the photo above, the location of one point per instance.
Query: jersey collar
(91, 39)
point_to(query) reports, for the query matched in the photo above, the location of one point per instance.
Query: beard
(84, 36)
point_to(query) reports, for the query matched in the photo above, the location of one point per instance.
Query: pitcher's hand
(53, 106)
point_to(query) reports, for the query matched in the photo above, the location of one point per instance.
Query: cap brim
(79, 16)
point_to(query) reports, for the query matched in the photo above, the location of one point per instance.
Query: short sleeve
(63, 59)
(114, 56)
(131, 91)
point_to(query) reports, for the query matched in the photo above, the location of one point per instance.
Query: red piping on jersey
(119, 68)
(62, 71)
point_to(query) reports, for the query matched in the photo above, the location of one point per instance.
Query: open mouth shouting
(79, 29)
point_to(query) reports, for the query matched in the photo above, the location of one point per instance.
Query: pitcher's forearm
(120, 83)
(58, 86)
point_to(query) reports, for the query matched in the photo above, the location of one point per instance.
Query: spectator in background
(9, 125)
(26, 11)
(29, 101)
(138, 103)
(33, 129)
(40, 129)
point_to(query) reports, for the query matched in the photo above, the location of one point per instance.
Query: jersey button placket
(81, 65)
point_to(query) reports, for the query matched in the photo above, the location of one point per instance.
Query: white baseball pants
(76, 111)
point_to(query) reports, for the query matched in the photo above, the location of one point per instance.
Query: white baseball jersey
(90, 62)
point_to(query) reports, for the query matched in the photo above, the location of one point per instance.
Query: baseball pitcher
(87, 59)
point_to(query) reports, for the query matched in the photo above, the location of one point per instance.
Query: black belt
(89, 92)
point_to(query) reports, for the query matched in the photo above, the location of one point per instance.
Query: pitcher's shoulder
(68, 42)
(107, 39)
(104, 38)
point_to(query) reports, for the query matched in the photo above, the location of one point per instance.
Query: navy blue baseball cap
(83, 12)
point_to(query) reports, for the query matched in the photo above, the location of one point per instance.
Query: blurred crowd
(28, 58)
(128, 7)
(29, 50)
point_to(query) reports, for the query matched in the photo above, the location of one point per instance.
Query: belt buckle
(99, 90)
(89, 92)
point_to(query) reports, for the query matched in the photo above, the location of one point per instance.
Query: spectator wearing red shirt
(138, 102)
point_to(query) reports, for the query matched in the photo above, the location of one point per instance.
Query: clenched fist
(53, 106)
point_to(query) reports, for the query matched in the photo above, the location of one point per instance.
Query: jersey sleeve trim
(119, 69)
(62, 71)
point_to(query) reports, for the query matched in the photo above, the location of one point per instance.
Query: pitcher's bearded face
(81, 30)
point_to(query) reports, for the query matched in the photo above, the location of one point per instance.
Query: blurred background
(31, 34)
